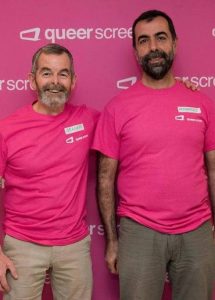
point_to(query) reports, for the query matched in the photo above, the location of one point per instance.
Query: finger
(112, 268)
(12, 269)
(188, 84)
(117, 268)
(3, 183)
(193, 87)
(196, 88)
(4, 284)
(1, 288)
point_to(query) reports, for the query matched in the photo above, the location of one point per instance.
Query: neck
(46, 110)
(163, 83)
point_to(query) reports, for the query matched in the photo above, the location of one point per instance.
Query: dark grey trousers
(146, 255)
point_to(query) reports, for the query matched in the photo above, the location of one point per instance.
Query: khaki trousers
(71, 272)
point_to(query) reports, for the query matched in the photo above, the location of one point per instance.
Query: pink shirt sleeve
(3, 151)
(106, 139)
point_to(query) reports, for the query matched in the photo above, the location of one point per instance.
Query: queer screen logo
(56, 34)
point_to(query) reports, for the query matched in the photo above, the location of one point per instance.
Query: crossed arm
(107, 168)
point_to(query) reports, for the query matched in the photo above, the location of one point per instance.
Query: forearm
(106, 202)
(106, 196)
(210, 164)
(211, 182)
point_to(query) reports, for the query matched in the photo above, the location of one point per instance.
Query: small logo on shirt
(74, 128)
(194, 120)
(186, 109)
(182, 118)
(70, 140)
(81, 137)
(179, 118)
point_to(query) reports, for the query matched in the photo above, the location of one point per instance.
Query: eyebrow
(161, 33)
(44, 69)
(156, 34)
(48, 69)
(65, 70)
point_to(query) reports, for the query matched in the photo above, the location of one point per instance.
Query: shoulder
(83, 112)
(198, 100)
(197, 94)
(125, 97)
(15, 117)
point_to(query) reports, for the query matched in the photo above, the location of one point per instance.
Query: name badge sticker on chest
(74, 128)
(187, 109)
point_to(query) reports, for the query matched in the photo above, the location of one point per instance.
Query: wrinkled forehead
(53, 59)
(54, 62)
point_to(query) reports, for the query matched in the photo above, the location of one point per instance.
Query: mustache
(55, 87)
(155, 54)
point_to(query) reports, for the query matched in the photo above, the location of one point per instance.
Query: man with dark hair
(148, 16)
(158, 139)
(44, 150)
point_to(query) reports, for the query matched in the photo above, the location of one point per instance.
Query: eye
(143, 41)
(46, 73)
(161, 38)
(64, 74)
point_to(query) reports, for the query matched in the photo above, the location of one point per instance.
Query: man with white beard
(44, 151)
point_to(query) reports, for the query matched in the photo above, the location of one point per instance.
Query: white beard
(52, 100)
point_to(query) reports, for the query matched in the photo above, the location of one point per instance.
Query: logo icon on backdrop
(126, 83)
(32, 34)
(82, 33)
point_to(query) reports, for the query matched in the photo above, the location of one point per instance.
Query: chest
(156, 127)
(41, 147)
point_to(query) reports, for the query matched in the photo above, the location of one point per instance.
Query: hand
(213, 233)
(190, 85)
(2, 183)
(5, 265)
(111, 256)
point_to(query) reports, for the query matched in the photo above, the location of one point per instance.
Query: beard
(53, 95)
(157, 70)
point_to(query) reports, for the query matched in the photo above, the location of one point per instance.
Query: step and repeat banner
(98, 33)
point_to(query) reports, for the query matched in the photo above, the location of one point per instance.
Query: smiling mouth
(54, 91)
(156, 60)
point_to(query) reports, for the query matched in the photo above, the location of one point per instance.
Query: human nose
(55, 79)
(153, 45)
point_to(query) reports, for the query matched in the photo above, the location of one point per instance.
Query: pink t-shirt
(44, 160)
(159, 138)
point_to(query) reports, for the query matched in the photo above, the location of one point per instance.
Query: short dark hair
(149, 16)
(51, 49)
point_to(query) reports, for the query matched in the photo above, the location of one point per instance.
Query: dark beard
(157, 70)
